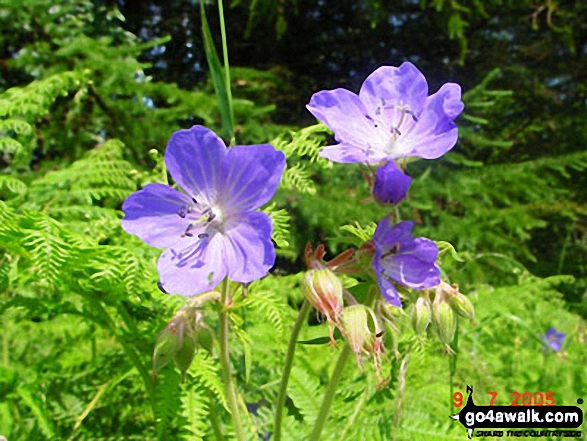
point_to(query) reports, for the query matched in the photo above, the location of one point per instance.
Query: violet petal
(250, 176)
(194, 158)
(435, 133)
(153, 214)
(391, 184)
(195, 269)
(249, 253)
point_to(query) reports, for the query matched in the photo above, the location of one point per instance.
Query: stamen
(211, 217)
(393, 250)
(202, 236)
(195, 201)
(160, 286)
(182, 212)
(414, 117)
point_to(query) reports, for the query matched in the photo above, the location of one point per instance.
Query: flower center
(204, 221)
(394, 118)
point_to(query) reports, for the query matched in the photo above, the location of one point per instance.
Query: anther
(414, 117)
(181, 212)
(160, 286)
(211, 217)
(202, 236)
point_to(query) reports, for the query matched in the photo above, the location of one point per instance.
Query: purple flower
(401, 258)
(391, 184)
(213, 231)
(392, 117)
(553, 339)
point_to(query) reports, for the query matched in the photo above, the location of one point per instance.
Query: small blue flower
(553, 339)
(214, 229)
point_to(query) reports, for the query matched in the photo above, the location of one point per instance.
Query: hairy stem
(231, 394)
(329, 394)
(291, 348)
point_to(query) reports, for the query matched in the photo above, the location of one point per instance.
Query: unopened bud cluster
(179, 340)
(357, 323)
(442, 312)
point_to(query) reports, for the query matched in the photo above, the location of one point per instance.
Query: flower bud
(362, 334)
(355, 324)
(391, 184)
(324, 292)
(185, 355)
(458, 302)
(178, 341)
(167, 344)
(445, 320)
(462, 306)
(421, 314)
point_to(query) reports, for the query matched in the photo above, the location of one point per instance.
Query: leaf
(281, 225)
(305, 392)
(444, 247)
(195, 411)
(315, 341)
(205, 370)
(39, 411)
(218, 75)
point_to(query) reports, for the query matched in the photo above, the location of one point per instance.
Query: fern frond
(281, 225)
(47, 250)
(12, 184)
(271, 304)
(363, 233)
(195, 411)
(205, 371)
(306, 142)
(18, 126)
(298, 178)
(101, 174)
(305, 392)
(167, 400)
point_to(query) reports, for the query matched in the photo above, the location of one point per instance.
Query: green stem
(226, 66)
(452, 367)
(329, 394)
(291, 348)
(231, 394)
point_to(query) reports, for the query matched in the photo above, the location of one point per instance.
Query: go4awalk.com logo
(535, 411)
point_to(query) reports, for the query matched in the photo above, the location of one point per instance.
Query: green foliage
(84, 121)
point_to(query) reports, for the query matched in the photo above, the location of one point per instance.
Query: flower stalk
(231, 393)
(329, 394)
(291, 348)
